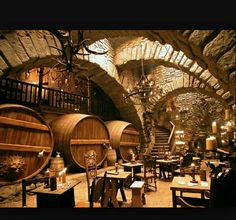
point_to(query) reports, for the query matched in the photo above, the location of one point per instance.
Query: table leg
(110, 193)
(121, 187)
(113, 193)
(174, 199)
(107, 194)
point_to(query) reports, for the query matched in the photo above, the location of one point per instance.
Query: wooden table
(171, 163)
(137, 188)
(63, 196)
(113, 184)
(182, 184)
(133, 167)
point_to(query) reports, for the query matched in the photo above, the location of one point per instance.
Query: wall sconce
(27, 74)
(193, 173)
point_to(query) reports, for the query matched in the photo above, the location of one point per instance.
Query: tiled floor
(161, 198)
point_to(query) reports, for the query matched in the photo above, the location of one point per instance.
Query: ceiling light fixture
(72, 44)
(144, 91)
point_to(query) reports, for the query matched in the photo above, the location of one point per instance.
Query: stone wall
(195, 111)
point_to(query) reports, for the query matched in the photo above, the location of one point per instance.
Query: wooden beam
(82, 142)
(21, 147)
(24, 124)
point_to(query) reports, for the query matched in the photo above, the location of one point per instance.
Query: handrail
(27, 93)
(171, 137)
(90, 100)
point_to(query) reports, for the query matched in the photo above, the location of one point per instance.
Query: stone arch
(183, 90)
(212, 49)
(23, 50)
(166, 55)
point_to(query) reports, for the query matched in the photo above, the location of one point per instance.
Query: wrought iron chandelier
(72, 44)
(144, 91)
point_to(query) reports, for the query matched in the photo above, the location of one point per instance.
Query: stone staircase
(161, 142)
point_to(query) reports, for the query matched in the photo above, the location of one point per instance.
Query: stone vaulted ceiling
(204, 60)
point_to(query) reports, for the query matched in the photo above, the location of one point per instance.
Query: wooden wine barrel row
(124, 137)
(75, 134)
(26, 143)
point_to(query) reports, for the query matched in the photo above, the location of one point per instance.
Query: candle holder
(193, 174)
(116, 167)
(62, 176)
(133, 158)
(46, 180)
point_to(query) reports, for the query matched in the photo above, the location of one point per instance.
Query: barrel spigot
(40, 153)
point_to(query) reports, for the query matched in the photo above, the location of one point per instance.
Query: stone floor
(161, 198)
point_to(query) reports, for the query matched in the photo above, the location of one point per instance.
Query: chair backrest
(187, 160)
(91, 173)
(103, 187)
(149, 164)
(90, 158)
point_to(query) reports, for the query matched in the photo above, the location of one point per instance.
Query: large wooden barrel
(75, 134)
(111, 157)
(56, 164)
(123, 137)
(26, 143)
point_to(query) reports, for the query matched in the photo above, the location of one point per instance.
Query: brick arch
(212, 49)
(24, 50)
(154, 50)
(180, 91)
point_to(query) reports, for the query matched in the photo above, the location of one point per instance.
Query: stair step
(157, 138)
(161, 133)
(161, 142)
(160, 148)
(166, 139)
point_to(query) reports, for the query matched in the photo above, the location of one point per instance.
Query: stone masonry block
(227, 62)
(51, 43)
(3, 65)
(201, 37)
(40, 45)
(219, 45)
(232, 84)
(28, 45)
(10, 54)
(14, 41)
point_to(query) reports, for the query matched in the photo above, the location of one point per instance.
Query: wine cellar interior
(117, 118)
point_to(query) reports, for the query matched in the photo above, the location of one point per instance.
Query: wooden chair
(184, 166)
(222, 193)
(149, 174)
(95, 186)
(28, 182)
